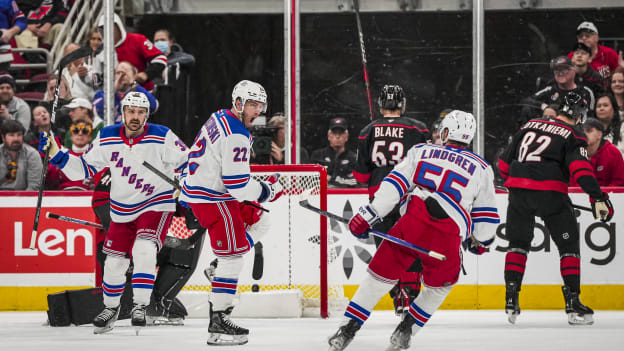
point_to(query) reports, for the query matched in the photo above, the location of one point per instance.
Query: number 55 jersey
(218, 163)
(545, 154)
(460, 181)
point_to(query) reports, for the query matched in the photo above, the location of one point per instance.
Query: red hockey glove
(602, 208)
(475, 246)
(272, 189)
(362, 221)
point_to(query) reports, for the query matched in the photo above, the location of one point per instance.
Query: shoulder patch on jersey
(157, 130)
(111, 131)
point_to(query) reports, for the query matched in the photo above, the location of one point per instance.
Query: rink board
(65, 257)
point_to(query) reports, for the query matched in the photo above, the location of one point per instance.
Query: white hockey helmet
(461, 126)
(248, 90)
(137, 99)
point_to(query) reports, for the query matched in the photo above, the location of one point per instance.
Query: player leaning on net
(141, 203)
(446, 195)
(382, 144)
(218, 178)
(537, 166)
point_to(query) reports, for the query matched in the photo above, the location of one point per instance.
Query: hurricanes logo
(566, 236)
(343, 246)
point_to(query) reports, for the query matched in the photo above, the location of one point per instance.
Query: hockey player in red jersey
(218, 179)
(136, 49)
(447, 196)
(141, 203)
(537, 167)
(382, 144)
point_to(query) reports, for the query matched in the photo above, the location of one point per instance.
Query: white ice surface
(447, 330)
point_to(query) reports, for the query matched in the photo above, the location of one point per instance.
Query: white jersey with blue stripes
(134, 188)
(461, 181)
(218, 164)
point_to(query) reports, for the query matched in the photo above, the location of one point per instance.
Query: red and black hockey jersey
(545, 154)
(382, 144)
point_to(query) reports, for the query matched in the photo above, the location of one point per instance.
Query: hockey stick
(72, 56)
(356, 9)
(436, 255)
(74, 220)
(578, 207)
(176, 185)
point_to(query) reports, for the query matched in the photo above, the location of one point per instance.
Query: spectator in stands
(617, 88)
(138, 50)
(165, 42)
(40, 123)
(94, 41)
(44, 24)
(15, 108)
(12, 22)
(80, 109)
(606, 112)
(564, 83)
(435, 132)
(606, 159)
(603, 60)
(64, 91)
(81, 132)
(125, 81)
(550, 111)
(336, 158)
(20, 164)
(586, 75)
(81, 80)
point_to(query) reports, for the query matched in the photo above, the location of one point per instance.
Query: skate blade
(102, 330)
(576, 319)
(512, 316)
(217, 339)
(155, 321)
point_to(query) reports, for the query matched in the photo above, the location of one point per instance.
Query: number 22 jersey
(218, 164)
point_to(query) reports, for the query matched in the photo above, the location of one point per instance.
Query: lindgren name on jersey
(451, 156)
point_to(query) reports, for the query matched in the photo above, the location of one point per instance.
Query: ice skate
(512, 307)
(344, 335)
(578, 314)
(161, 313)
(222, 331)
(104, 321)
(210, 271)
(402, 335)
(138, 317)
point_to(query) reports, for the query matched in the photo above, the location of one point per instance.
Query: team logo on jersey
(566, 236)
(149, 44)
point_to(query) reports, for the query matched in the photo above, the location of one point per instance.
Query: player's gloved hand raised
(361, 222)
(46, 141)
(602, 208)
(272, 189)
(475, 246)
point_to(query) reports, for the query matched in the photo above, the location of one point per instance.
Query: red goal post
(296, 236)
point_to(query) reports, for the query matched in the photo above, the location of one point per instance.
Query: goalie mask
(461, 127)
(574, 107)
(391, 98)
(248, 90)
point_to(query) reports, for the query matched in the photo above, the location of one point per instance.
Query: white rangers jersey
(218, 164)
(134, 188)
(461, 182)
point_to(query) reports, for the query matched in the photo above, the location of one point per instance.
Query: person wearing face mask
(165, 42)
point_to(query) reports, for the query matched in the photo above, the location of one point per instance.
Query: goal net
(297, 254)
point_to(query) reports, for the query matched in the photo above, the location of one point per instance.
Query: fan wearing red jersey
(537, 166)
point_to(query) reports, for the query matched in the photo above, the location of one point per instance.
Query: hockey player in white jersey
(218, 178)
(447, 196)
(141, 203)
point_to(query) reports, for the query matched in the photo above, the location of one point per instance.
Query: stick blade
(75, 55)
